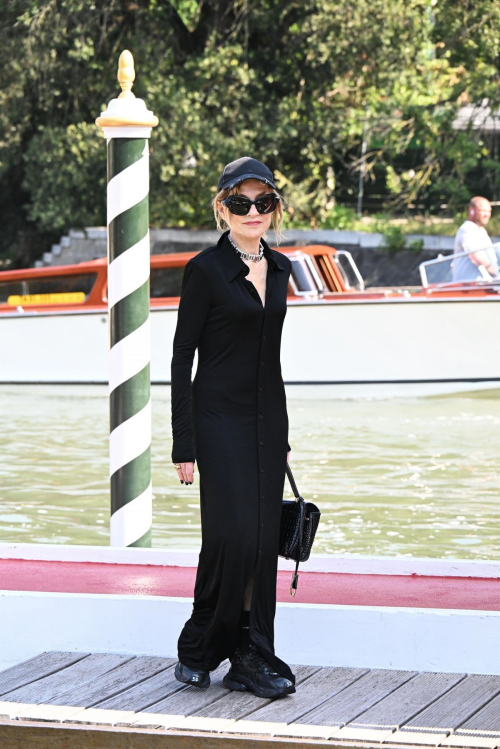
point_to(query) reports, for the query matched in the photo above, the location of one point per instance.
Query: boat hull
(378, 348)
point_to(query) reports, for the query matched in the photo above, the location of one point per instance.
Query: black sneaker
(250, 671)
(195, 677)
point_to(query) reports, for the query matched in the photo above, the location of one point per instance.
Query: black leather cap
(244, 168)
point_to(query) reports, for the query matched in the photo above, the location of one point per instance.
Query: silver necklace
(248, 255)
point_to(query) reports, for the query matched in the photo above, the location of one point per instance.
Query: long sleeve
(193, 309)
(288, 448)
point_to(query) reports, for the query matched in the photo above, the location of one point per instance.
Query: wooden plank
(307, 732)
(77, 674)
(486, 719)
(36, 668)
(121, 709)
(471, 742)
(407, 701)
(75, 700)
(10, 710)
(209, 725)
(418, 738)
(146, 693)
(219, 717)
(236, 705)
(274, 717)
(345, 706)
(372, 735)
(171, 711)
(458, 704)
(257, 727)
(322, 686)
(98, 716)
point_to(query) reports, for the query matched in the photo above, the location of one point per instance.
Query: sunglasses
(240, 206)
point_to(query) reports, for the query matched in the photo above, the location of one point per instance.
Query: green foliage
(65, 174)
(340, 217)
(416, 246)
(293, 82)
(394, 239)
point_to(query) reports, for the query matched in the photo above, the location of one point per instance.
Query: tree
(289, 81)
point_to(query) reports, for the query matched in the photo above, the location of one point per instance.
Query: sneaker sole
(242, 684)
(199, 685)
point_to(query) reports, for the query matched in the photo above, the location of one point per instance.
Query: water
(408, 477)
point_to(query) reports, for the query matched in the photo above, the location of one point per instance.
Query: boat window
(305, 279)
(62, 284)
(436, 271)
(166, 282)
(349, 270)
(47, 289)
(11, 288)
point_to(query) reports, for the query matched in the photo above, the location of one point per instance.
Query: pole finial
(126, 111)
(126, 74)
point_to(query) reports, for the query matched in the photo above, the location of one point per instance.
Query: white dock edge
(314, 634)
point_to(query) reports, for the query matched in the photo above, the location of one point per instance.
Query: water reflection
(416, 477)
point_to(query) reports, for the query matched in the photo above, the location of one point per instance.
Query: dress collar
(233, 263)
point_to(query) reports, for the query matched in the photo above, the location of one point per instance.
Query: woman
(233, 421)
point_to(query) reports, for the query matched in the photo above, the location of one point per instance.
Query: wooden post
(127, 125)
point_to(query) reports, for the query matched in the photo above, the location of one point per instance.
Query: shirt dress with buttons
(232, 419)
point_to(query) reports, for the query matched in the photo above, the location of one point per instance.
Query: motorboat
(353, 341)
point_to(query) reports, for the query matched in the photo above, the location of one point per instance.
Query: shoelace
(257, 658)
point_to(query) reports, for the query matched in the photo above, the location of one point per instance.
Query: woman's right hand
(185, 473)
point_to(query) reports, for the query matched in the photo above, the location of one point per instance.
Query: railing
(439, 272)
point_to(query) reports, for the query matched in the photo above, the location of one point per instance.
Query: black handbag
(298, 526)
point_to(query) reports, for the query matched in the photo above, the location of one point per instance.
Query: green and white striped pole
(127, 127)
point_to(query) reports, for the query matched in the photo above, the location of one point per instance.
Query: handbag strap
(295, 576)
(292, 482)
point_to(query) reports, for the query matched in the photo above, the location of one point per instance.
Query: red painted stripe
(314, 587)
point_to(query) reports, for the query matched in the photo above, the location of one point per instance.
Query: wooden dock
(111, 700)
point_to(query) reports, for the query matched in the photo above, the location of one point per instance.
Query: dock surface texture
(111, 700)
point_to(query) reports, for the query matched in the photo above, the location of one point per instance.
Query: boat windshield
(349, 270)
(305, 279)
(459, 268)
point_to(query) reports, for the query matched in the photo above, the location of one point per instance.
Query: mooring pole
(126, 125)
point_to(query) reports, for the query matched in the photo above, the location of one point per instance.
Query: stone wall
(377, 265)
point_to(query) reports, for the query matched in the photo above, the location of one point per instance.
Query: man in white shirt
(473, 238)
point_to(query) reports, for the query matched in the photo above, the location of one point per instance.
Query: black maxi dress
(233, 421)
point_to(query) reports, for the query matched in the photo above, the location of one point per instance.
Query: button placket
(260, 430)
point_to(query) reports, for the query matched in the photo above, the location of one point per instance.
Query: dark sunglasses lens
(239, 206)
(267, 203)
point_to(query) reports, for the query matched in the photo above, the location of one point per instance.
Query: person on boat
(232, 420)
(473, 239)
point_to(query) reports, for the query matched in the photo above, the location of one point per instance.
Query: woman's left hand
(287, 456)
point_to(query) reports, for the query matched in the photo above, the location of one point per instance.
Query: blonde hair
(223, 224)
